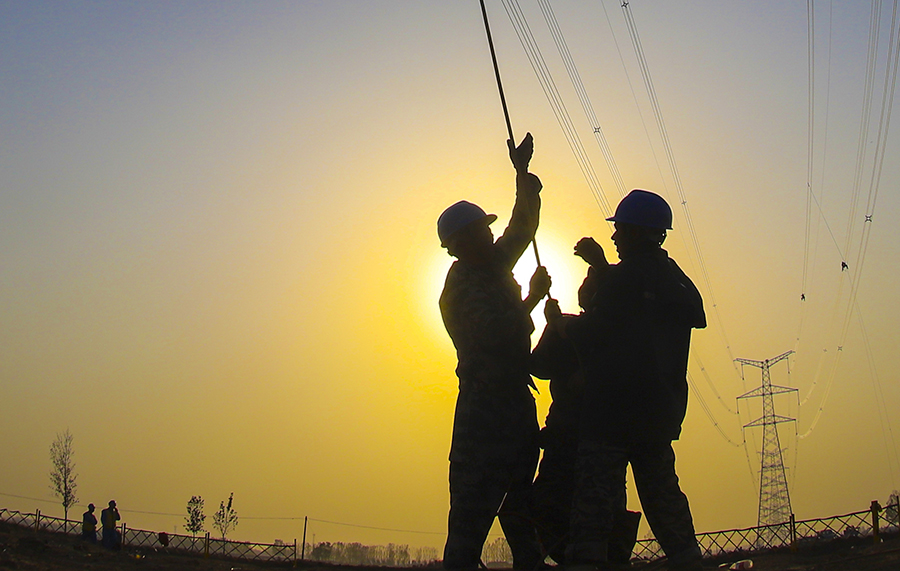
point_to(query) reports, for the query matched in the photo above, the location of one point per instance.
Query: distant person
(109, 519)
(633, 343)
(494, 450)
(89, 525)
(555, 359)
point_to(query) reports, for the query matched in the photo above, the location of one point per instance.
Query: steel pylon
(774, 497)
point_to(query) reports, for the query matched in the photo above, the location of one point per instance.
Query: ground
(24, 549)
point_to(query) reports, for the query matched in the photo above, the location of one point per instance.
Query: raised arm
(526, 213)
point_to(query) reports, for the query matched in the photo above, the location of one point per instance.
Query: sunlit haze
(220, 265)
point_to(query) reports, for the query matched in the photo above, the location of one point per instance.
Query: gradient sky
(220, 268)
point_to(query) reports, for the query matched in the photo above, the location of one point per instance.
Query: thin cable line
(538, 64)
(294, 518)
(376, 528)
(564, 53)
(670, 156)
(887, 100)
(709, 414)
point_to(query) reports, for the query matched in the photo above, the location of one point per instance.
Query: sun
(566, 273)
(431, 272)
(566, 270)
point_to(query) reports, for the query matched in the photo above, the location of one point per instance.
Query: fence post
(303, 547)
(875, 509)
(793, 533)
(295, 552)
(37, 520)
(122, 540)
(206, 546)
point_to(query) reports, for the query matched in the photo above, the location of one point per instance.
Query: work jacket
(483, 311)
(555, 359)
(633, 343)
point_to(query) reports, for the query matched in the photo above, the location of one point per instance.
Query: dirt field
(24, 549)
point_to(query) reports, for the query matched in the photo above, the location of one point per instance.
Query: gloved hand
(539, 286)
(591, 252)
(521, 155)
(552, 311)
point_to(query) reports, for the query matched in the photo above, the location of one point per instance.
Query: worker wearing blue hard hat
(633, 341)
(644, 208)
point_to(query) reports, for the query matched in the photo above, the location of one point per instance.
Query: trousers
(482, 490)
(600, 475)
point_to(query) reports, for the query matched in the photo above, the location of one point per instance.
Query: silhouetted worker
(494, 451)
(109, 519)
(89, 525)
(634, 344)
(555, 359)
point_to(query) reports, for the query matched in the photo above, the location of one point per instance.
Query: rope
(487, 28)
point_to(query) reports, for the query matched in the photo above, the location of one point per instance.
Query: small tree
(63, 477)
(193, 522)
(497, 551)
(225, 518)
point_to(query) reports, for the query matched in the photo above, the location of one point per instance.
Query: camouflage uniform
(634, 344)
(494, 450)
(555, 358)
(600, 474)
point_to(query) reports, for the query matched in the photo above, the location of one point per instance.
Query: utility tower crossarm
(773, 389)
(766, 362)
(774, 419)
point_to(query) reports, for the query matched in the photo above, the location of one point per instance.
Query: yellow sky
(221, 269)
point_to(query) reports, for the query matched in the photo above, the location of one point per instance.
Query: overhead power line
(673, 167)
(583, 97)
(539, 65)
(530, 45)
(856, 270)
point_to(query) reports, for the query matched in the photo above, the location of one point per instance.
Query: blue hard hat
(458, 216)
(644, 208)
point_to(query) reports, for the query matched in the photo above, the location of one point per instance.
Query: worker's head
(641, 220)
(112, 503)
(90, 507)
(464, 229)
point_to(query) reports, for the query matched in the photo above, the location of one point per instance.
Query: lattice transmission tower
(774, 498)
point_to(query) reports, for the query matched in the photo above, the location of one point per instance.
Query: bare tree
(63, 477)
(892, 509)
(225, 518)
(195, 516)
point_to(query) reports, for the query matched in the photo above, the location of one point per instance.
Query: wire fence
(871, 523)
(142, 538)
